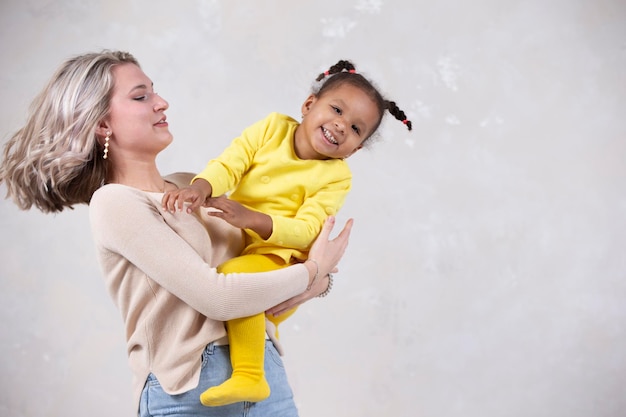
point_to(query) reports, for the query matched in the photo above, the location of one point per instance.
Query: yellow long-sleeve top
(264, 173)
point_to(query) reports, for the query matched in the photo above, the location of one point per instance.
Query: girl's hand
(240, 216)
(195, 194)
(173, 200)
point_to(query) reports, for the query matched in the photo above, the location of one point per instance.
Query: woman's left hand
(319, 287)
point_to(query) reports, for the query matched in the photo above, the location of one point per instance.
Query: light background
(486, 275)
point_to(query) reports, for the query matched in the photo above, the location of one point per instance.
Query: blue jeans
(216, 369)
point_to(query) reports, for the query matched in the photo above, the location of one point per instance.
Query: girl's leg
(246, 337)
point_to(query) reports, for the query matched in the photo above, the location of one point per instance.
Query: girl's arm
(300, 230)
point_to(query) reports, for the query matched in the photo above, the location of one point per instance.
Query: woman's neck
(138, 175)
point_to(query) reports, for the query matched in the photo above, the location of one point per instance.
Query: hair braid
(338, 67)
(396, 112)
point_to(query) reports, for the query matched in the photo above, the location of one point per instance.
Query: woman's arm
(126, 222)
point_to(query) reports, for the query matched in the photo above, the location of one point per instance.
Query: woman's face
(136, 116)
(336, 124)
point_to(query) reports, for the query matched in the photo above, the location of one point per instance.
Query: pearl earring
(106, 145)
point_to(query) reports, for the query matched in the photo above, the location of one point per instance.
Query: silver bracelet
(330, 286)
(317, 271)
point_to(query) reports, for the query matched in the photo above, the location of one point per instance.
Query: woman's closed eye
(144, 97)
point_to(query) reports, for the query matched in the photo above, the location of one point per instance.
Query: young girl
(286, 178)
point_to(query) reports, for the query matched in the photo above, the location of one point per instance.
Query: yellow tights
(246, 337)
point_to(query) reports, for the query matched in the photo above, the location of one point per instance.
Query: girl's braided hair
(345, 72)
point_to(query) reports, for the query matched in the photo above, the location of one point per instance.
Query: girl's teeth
(328, 136)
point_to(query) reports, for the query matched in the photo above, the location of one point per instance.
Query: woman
(93, 136)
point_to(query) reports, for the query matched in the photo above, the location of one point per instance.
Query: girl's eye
(356, 129)
(336, 109)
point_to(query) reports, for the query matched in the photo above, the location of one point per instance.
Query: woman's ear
(102, 129)
(306, 106)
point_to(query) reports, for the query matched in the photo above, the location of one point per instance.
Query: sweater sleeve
(127, 225)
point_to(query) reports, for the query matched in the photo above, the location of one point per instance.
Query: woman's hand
(319, 286)
(326, 254)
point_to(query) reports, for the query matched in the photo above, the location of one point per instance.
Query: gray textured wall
(486, 274)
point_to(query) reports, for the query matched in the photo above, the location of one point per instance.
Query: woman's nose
(161, 103)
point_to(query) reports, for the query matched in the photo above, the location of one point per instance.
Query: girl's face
(136, 116)
(335, 124)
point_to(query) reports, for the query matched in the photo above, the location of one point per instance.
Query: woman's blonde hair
(55, 160)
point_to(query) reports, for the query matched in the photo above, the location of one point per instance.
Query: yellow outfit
(262, 171)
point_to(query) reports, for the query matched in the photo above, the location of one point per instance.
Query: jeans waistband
(223, 341)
